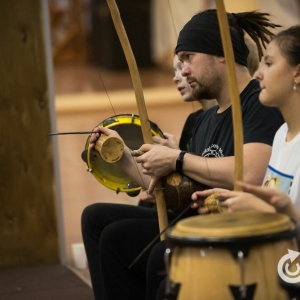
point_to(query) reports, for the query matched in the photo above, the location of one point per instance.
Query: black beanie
(202, 34)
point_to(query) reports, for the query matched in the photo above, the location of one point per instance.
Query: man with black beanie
(126, 230)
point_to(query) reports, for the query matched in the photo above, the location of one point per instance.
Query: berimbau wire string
(158, 236)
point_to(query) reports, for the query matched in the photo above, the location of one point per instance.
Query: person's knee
(88, 214)
(95, 218)
(97, 211)
(109, 235)
(120, 234)
(115, 233)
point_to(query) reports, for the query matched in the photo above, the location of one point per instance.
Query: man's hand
(146, 197)
(157, 161)
(97, 132)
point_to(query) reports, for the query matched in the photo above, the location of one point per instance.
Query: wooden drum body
(229, 256)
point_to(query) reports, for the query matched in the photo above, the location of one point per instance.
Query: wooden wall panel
(28, 225)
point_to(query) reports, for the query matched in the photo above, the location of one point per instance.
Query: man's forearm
(214, 172)
(219, 171)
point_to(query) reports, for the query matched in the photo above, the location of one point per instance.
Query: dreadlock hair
(202, 34)
(255, 23)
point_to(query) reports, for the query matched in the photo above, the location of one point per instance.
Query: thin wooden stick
(145, 124)
(234, 92)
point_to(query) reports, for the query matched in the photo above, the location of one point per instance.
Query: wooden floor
(54, 282)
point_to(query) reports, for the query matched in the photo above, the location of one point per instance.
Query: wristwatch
(179, 161)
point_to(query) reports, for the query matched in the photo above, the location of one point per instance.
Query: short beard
(208, 90)
(201, 92)
(209, 85)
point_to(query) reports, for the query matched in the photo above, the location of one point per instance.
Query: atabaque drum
(230, 256)
(111, 175)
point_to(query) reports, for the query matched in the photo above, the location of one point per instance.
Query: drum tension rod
(243, 287)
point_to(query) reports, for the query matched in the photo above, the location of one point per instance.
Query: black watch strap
(179, 161)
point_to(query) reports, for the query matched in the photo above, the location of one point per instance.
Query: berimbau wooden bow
(139, 95)
(234, 92)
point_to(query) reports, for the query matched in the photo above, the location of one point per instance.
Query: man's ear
(221, 59)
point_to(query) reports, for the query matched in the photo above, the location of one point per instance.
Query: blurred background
(91, 76)
(63, 70)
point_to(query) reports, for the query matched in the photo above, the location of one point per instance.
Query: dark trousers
(114, 235)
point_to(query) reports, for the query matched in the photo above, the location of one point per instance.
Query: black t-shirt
(187, 130)
(213, 132)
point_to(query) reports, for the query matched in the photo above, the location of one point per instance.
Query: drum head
(109, 174)
(243, 225)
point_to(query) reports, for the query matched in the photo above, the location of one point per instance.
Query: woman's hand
(232, 200)
(169, 141)
(200, 196)
(277, 198)
(237, 201)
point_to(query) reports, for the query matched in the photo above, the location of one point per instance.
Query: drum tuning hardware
(109, 121)
(132, 118)
(167, 258)
(243, 287)
(171, 288)
(132, 185)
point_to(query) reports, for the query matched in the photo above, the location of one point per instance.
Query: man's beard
(200, 92)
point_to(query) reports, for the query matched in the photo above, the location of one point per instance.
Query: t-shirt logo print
(213, 151)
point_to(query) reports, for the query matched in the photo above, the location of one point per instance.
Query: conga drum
(228, 256)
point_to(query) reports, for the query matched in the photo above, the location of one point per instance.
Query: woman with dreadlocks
(124, 233)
